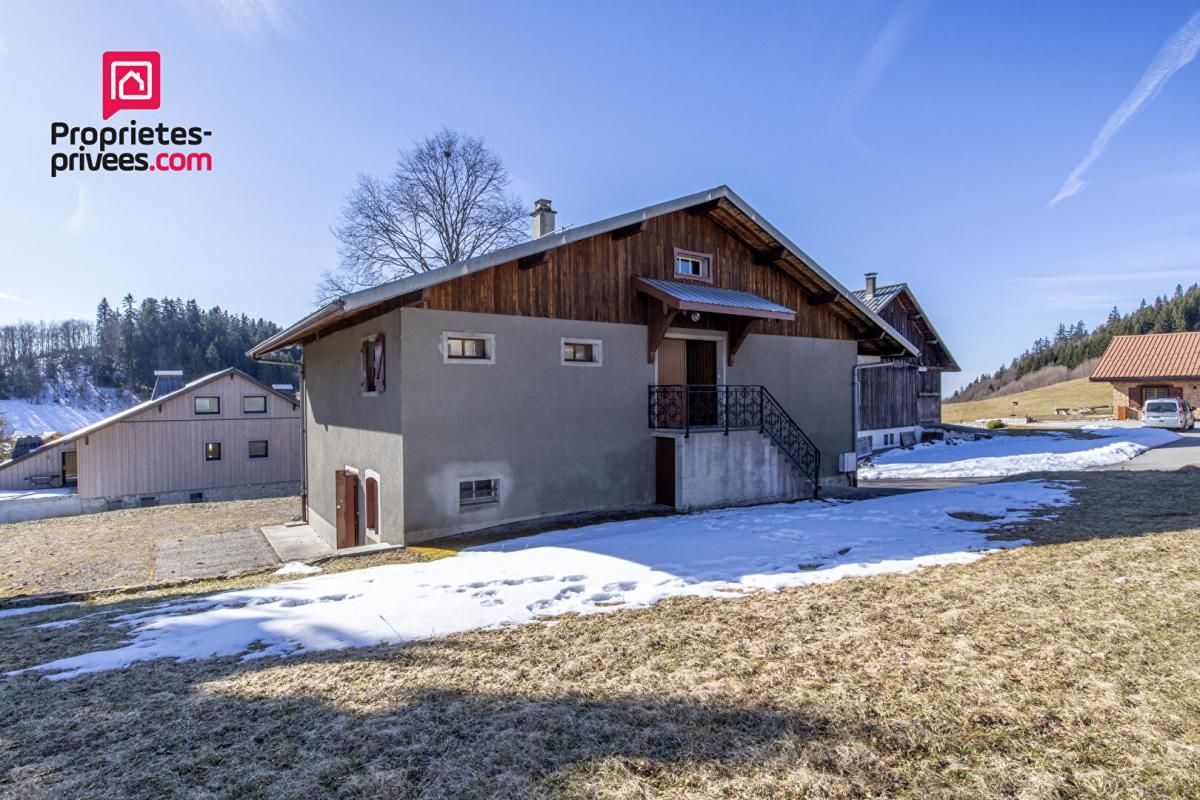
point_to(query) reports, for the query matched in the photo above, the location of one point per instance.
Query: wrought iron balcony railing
(725, 408)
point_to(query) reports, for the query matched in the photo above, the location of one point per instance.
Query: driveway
(1168, 457)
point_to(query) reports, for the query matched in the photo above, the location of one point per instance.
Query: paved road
(1182, 453)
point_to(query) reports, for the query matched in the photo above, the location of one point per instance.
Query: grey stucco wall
(812, 380)
(714, 469)
(348, 428)
(559, 438)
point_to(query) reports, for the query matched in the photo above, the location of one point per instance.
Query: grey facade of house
(549, 437)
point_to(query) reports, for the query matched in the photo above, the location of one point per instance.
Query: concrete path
(1168, 457)
(212, 555)
(296, 543)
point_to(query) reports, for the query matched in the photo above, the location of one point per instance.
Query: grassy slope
(1036, 403)
(1031, 673)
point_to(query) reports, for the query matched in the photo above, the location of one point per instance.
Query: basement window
(696, 266)
(212, 451)
(478, 492)
(258, 448)
(581, 352)
(207, 405)
(468, 348)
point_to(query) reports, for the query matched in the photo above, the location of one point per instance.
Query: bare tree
(446, 201)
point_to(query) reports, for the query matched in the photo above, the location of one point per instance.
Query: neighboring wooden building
(686, 354)
(1148, 367)
(223, 436)
(899, 396)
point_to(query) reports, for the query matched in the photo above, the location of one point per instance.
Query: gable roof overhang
(132, 411)
(721, 204)
(885, 295)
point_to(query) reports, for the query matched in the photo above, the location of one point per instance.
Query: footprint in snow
(621, 586)
(572, 578)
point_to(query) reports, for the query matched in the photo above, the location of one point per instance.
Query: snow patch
(1012, 455)
(23, 610)
(596, 569)
(297, 568)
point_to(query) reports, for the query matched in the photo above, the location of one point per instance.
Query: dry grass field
(1036, 403)
(116, 548)
(1067, 670)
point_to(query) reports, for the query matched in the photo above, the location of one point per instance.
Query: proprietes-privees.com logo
(132, 82)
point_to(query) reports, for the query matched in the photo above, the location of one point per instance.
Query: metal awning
(685, 296)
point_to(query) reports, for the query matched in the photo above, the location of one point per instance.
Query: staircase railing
(694, 407)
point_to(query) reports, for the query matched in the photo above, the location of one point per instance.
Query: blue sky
(925, 140)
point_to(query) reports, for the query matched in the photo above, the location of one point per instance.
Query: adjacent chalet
(896, 397)
(1148, 367)
(221, 437)
(686, 354)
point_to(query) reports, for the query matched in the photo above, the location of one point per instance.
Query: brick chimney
(543, 218)
(871, 284)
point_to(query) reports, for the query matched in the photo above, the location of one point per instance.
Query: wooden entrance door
(346, 493)
(664, 471)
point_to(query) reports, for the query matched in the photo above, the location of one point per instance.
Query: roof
(1150, 355)
(701, 297)
(343, 307)
(883, 297)
(87, 430)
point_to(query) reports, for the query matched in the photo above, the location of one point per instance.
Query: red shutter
(362, 367)
(372, 492)
(1177, 392)
(1135, 396)
(379, 363)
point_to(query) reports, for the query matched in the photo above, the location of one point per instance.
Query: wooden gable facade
(593, 279)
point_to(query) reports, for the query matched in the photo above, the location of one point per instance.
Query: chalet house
(221, 437)
(685, 354)
(896, 397)
(1148, 367)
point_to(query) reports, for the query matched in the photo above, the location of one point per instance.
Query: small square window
(581, 352)
(258, 448)
(697, 266)
(212, 451)
(254, 404)
(478, 492)
(208, 405)
(468, 348)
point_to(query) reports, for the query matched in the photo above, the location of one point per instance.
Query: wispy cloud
(75, 223)
(15, 298)
(896, 32)
(1176, 53)
(250, 17)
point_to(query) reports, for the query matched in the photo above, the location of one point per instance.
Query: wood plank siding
(917, 397)
(592, 280)
(161, 448)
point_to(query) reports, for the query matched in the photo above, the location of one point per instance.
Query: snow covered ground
(1012, 455)
(586, 570)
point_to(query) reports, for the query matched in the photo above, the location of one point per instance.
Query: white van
(1169, 412)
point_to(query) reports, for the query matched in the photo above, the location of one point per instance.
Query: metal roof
(711, 295)
(1150, 355)
(883, 295)
(344, 306)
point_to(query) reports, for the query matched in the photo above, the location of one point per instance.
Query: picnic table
(41, 481)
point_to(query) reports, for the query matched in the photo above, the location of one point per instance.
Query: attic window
(693, 266)
(208, 405)
(254, 404)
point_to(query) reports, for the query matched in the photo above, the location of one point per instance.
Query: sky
(1018, 164)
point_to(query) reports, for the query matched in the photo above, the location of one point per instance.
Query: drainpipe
(303, 445)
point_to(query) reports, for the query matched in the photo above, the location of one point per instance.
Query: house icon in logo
(131, 81)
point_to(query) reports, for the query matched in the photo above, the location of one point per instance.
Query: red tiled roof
(1151, 355)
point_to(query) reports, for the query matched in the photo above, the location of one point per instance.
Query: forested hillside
(1073, 350)
(68, 361)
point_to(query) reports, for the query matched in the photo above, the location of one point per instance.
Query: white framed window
(693, 266)
(889, 439)
(575, 352)
(459, 347)
(478, 492)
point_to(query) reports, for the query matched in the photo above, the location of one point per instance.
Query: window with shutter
(372, 492)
